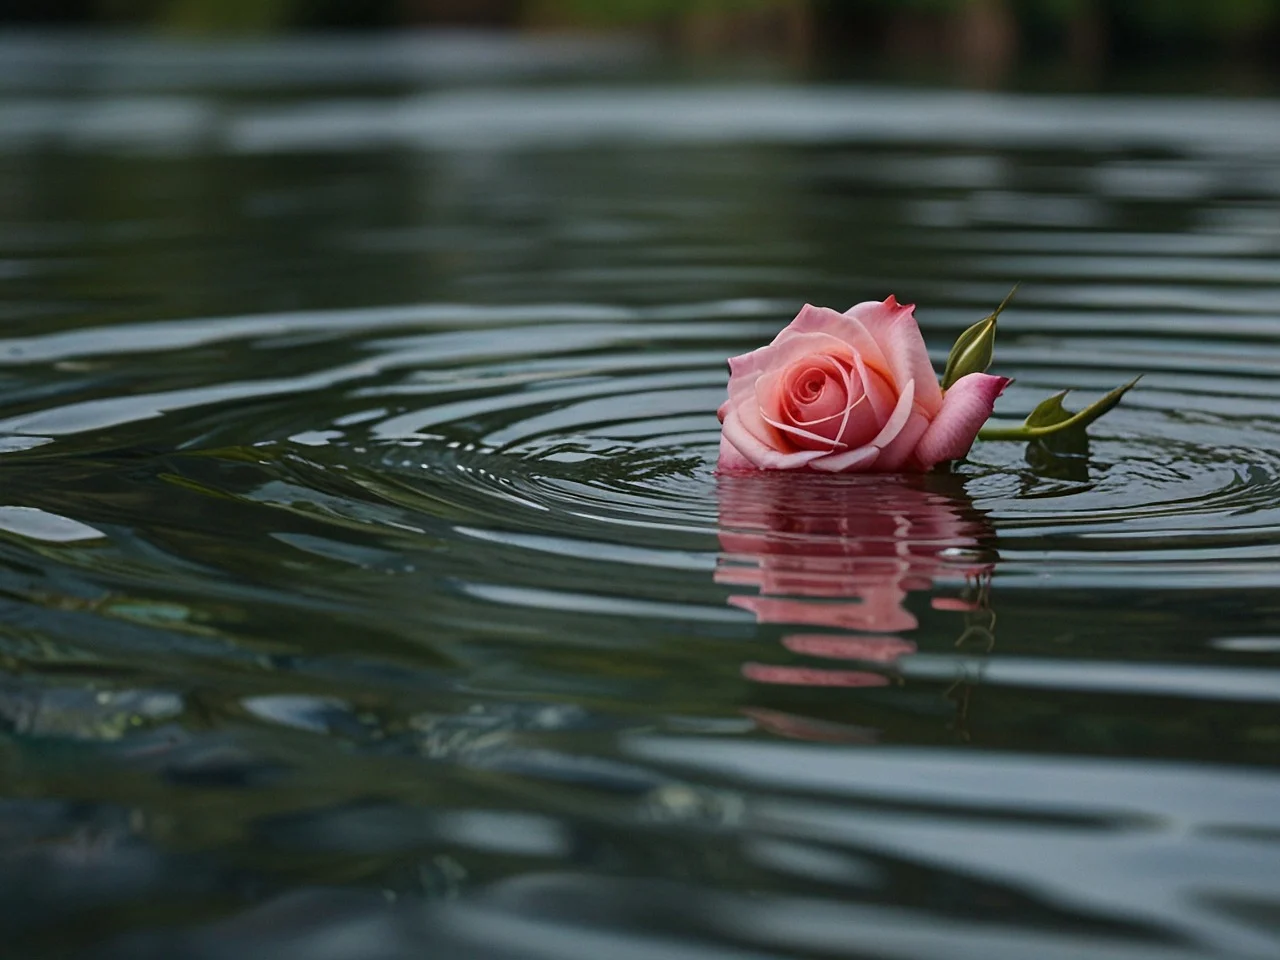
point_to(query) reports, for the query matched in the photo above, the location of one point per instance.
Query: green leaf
(1052, 417)
(1049, 412)
(973, 349)
(1063, 455)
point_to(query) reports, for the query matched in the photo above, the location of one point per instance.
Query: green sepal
(1051, 417)
(973, 349)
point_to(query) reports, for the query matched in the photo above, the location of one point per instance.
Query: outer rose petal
(894, 456)
(965, 408)
(894, 327)
(759, 454)
(731, 459)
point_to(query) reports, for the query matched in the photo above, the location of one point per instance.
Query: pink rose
(848, 393)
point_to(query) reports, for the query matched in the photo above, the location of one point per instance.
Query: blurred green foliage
(1158, 16)
(1159, 20)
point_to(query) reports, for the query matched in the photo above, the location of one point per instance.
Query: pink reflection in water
(871, 648)
(845, 553)
(811, 676)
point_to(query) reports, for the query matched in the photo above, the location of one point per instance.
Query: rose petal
(745, 369)
(852, 391)
(895, 329)
(772, 395)
(766, 395)
(860, 424)
(859, 460)
(879, 394)
(759, 454)
(848, 328)
(772, 410)
(898, 419)
(731, 459)
(854, 461)
(833, 394)
(898, 451)
(810, 439)
(965, 409)
(852, 426)
(752, 418)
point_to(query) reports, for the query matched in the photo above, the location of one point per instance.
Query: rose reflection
(843, 554)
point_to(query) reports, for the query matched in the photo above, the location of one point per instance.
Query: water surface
(367, 589)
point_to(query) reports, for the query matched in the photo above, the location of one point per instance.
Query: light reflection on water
(366, 588)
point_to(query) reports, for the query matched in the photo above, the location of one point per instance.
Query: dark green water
(367, 591)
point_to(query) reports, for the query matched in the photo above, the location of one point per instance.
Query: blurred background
(984, 37)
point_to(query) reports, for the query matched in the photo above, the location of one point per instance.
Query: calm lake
(367, 590)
